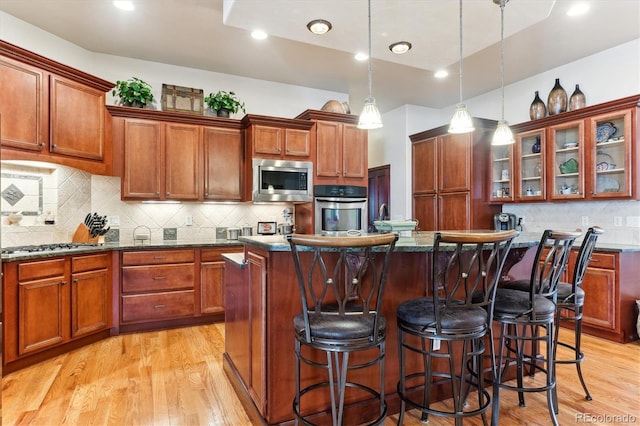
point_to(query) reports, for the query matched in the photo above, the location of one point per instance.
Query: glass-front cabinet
(567, 145)
(501, 174)
(609, 167)
(530, 154)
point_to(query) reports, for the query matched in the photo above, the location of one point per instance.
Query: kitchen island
(262, 298)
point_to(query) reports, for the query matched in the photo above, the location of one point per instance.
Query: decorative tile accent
(21, 193)
(169, 234)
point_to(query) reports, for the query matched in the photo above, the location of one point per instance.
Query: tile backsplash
(69, 194)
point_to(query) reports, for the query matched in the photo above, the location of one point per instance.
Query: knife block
(82, 236)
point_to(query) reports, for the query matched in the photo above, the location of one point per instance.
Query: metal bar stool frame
(465, 270)
(341, 282)
(522, 314)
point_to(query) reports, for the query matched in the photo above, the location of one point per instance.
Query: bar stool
(522, 314)
(465, 270)
(341, 282)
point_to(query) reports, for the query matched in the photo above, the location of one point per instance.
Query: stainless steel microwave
(282, 180)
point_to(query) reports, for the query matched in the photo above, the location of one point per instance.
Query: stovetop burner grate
(45, 247)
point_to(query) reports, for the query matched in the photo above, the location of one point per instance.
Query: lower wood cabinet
(52, 302)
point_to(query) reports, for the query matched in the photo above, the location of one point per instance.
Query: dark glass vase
(577, 99)
(557, 101)
(537, 109)
(535, 148)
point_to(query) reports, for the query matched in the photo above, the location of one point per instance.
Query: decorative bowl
(569, 166)
(605, 131)
(570, 145)
(395, 225)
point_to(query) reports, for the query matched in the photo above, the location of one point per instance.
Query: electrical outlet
(585, 220)
(113, 220)
(617, 221)
(188, 221)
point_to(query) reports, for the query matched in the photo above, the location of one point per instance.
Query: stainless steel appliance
(340, 209)
(280, 180)
(504, 221)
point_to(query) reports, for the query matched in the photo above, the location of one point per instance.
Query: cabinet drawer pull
(159, 306)
(159, 278)
(158, 257)
(593, 260)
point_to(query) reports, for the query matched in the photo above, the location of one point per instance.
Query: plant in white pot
(224, 103)
(133, 92)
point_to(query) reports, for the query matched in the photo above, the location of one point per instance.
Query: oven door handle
(340, 200)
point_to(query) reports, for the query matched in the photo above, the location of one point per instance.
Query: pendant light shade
(461, 121)
(503, 134)
(370, 116)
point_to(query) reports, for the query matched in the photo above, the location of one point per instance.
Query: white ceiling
(214, 35)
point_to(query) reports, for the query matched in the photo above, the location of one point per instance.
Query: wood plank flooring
(175, 377)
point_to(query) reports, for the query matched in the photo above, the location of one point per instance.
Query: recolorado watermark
(605, 418)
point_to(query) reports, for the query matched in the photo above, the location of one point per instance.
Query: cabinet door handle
(41, 144)
(167, 194)
(63, 283)
(159, 278)
(76, 281)
(159, 306)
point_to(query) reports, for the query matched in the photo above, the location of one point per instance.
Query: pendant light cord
(370, 85)
(502, 3)
(460, 91)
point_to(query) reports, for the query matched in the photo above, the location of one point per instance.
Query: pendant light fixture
(461, 121)
(370, 116)
(503, 134)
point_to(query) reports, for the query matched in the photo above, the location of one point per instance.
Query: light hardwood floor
(175, 377)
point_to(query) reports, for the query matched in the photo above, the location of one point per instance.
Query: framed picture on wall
(267, 228)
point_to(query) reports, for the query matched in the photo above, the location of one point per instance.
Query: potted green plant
(224, 103)
(133, 92)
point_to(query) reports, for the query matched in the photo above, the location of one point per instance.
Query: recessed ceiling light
(361, 56)
(400, 47)
(578, 9)
(124, 4)
(319, 26)
(259, 34)
(441, 74)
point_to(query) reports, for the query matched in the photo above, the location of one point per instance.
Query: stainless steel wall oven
(340, 209)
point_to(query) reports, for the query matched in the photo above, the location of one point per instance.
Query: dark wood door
(379, 191)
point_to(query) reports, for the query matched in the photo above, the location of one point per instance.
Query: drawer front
(30, 271)
(155, 257)
(157, 306)
(603, 260)
(90, 262)
(157, 278)
(214, 255)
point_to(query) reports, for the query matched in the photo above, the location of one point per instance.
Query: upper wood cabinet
(585, 154)
(341, 148)
(448, 178)
(51, 112)
(277, 138)
(171, 156)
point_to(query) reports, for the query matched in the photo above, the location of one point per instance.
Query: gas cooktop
(45, 247)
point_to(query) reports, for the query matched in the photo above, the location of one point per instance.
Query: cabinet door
(297, 143)
(530, 155)
(223, 164)
(24, 105)
(502, 173)
(599, 286)
(454, 155)
(211, 287)
(236, 320)
(425, 211)
(182, 157)
(454, 211)
(328, 151)
(267, 140)
(90, 305)
(566, 146)
(142, 159)
(257, 274)
(424, 167)
(77, 119)
(43, 312)
(354, 152)
(610, 165)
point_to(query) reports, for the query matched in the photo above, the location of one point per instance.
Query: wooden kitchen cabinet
(277, 138)
(341, 148)
(449, 178)
(157, 285)
(53, 302)
(51, 112)
(586, 154)
(223, 164)
(161, 160)
(212, 273)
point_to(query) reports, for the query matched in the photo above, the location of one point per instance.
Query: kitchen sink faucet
(382, 210)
